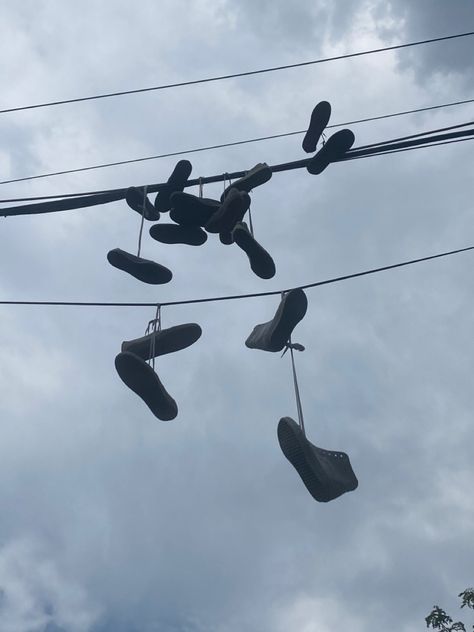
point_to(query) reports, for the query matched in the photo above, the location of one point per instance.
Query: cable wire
(212, 147)
(235, 75)
(233, 297)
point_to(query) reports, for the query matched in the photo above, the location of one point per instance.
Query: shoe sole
(189, 210)
(142, 380)
(260, 174)
(255, 252)
(319, 119)
(166, 341)
(142, 269)
(176, 182)
(176, 234)
(334, 149)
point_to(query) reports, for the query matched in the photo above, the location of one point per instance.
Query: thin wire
(118, 194)
(235, 75)
(242, 296)
(207, 148)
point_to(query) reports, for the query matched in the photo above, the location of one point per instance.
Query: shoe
(143, 381)
(165, 341)
(134, 198)
(231, 211)
(226, 238)
(176, 234)
(319, 119)
(334, 149)
(326, 474)
(258, 175)
(274, 335)
(191, 210)
(142, 269)
(260, 261)
(176, 182)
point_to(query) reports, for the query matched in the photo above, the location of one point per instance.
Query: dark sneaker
(164, 341)
(319, 119)
(143, 381)
(191, 210)
(258, 175)
(334, 149)
(226, 238)
(232, 211)
(142, 269)
(176, 234)
(275, 334)
(260, 261)
(134, 198)
(326, 474)
(176, 182)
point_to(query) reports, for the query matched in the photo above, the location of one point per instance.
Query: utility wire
(117, 194)
(211, 147)
(233, 297)
(235, 75)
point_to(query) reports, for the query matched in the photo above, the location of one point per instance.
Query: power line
(235, 75)
(214, 299)
(219, 146)
(118, 194)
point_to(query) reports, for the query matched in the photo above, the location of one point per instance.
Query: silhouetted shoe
(164, 341)
(142, 269)
(258, 175)
(134, 198)
(191, 210)
(326, 474)
(143, 381)
(176, 234)
(260, 261)
(226, 238)
(232, 211)
(275, 334)
(176, 182)
(334, 149)
(319, 119)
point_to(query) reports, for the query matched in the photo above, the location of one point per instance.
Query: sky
(112, 521)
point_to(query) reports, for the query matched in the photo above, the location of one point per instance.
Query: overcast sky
(112, 521)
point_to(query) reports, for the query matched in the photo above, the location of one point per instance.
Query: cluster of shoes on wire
(326, 474)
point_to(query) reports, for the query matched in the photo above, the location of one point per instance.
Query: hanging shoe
(176, 182)
(260, 261)
(142, 269)
(165, 341)
(231, 211)
(334, 149)
(191, 210)
(143, 381)
(226, 238)
(176, 234)
(258, 175)
(134, 198)
(326, 474)
(275, 334)
(319, 119)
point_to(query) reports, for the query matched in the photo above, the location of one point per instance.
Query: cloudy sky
(112, 521)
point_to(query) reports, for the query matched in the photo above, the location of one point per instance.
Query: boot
(275, 334)
(335, 148)
(191, 210)
(134, 198)
(176, 234)
(176, 182)
(319, 119)
(143, 381)
(232, 211)
(142, 269)
(260, 261)
(259, 174)
(165, 341)
(326, 474)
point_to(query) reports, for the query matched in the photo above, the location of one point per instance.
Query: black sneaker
(258, 175)
(231, 211)
(142, 269)
(226, 238)
(143, 381)
(319, 119)
(191, 210)
(260, 261)
(165, 341)
(326, 474)
(176, 234)
(275, 334)
(176, 182)
(334, 149)
(134, 198)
